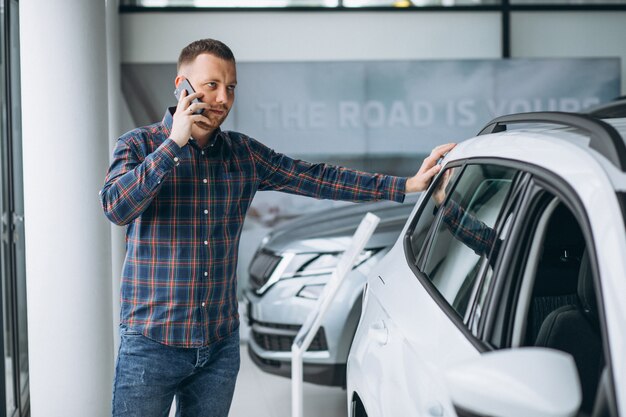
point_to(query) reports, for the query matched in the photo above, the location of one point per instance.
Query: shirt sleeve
(280, 173)
(468, 229)
(134, 179)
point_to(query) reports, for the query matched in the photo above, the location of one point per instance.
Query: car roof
(554, 148)
(612, 109)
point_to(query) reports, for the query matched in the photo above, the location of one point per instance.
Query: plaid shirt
(472, 232)
(185, 208)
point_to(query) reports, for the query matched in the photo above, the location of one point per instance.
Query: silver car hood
(331, 230)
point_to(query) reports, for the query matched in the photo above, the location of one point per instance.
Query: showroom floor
(260, 394)
(263, 395)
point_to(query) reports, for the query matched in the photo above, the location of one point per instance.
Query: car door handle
(378, 332)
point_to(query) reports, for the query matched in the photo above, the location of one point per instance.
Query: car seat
(574, 329)
(556, 279)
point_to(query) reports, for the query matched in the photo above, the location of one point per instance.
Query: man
(183, 187)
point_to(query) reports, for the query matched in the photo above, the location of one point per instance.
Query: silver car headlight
(305, 265)
(311, 292)
(325, 264)
(299, 265)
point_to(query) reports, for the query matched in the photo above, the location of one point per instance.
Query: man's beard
(216, 121)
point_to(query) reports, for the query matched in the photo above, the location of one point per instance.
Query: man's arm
(468, 229)
(133, 180)
(281, 173)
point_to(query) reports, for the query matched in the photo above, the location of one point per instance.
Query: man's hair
(204, 46)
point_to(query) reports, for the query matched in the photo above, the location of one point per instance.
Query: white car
(504, 294)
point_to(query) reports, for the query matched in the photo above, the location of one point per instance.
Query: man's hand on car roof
(428, 170)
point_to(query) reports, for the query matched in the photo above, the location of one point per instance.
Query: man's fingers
(200, 118)
(441, 150)
(432, 172)
(429, 162)
(185, 100)
(180, 105)
(188, 99)
(436, 154)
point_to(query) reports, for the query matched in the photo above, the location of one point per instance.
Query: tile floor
(260, 394)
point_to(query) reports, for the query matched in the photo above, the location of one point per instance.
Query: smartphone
(186, 85)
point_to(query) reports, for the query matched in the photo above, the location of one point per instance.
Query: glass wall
(356, 3)
(305, 3)
(14, 343)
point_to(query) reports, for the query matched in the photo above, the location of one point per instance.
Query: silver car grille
(261, 268)
(282, 342)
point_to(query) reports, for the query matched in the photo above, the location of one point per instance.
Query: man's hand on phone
(184, 117)
(428, 170)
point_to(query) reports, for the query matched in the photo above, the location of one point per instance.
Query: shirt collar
(168, 119)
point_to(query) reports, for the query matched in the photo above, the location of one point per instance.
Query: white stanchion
(314, 320)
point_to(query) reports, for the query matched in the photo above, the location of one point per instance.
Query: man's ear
(178, 80)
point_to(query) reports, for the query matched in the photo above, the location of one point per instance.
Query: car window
(504, 229)
(464, 232)
(428, 214)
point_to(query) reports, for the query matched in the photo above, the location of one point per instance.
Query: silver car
(288, 273)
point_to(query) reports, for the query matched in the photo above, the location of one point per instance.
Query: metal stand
(314, 320)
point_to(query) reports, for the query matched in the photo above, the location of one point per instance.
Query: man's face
(216, 78)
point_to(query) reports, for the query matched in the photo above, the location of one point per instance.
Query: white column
(68, 249)
(116, 104)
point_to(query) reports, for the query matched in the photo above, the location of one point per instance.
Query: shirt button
(206, 242)
(205, 180)
(202, 152)
(175, 159)
(203, 304)
(206, 274)
(206, 211)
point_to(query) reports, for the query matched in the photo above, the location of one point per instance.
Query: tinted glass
(428, 214)
(464, 232)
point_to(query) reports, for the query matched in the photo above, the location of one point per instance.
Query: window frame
(463, 323)
(512, 208)
(10, 64)
(505, 8)
(419, 260)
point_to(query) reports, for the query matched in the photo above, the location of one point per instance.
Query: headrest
(586, 292)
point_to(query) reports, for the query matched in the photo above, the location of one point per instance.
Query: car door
(550, 294)
(419, 302)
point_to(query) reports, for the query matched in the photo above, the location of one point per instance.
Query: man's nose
(222, 95)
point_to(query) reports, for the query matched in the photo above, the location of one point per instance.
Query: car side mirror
(522, 382)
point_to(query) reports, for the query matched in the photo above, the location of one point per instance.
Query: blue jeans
(149, 374)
